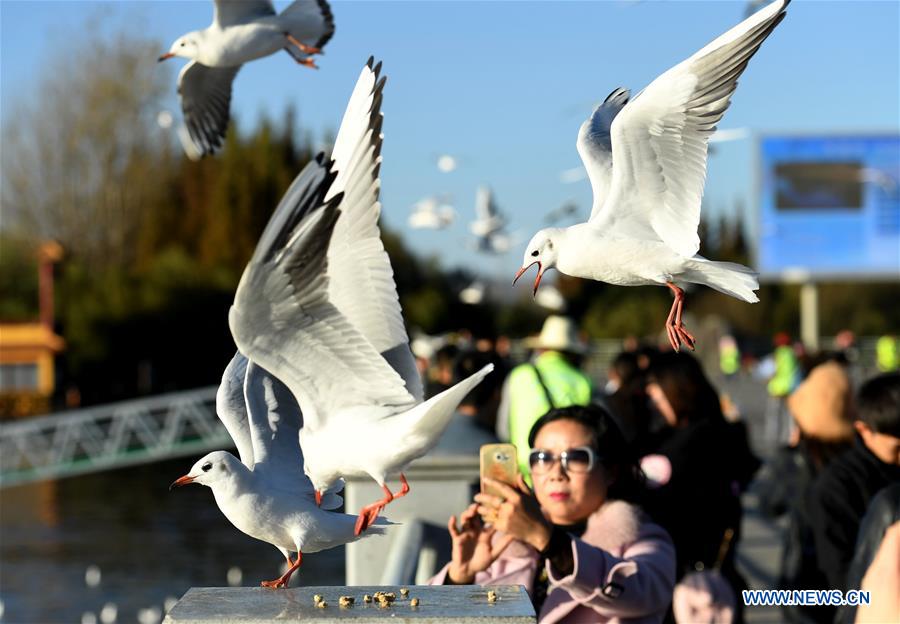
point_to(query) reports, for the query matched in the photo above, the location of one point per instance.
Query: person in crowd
(579, 542)
(845, 488)
(550, 380)
(887, 353)
(883, 512)
(729, 356)
(481, 403)
(627, 399)
(698, 501)
(440, 375)
(784, 380)
(822, 408)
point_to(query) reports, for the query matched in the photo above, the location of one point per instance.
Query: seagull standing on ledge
(241, 31)
(265, 494)
(317, 306)
(646, 160)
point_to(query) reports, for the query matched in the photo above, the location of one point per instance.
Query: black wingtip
(371, 62)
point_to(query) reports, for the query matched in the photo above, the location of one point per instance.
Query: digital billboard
(829, 207)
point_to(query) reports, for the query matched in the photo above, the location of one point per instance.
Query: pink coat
(624, 571)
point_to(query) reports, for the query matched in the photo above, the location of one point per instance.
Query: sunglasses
(575, 460)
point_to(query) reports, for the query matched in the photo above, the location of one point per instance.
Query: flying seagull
(241, 31)
(317, 306)
(646, 160)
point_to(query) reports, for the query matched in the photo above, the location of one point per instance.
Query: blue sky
(504, 86)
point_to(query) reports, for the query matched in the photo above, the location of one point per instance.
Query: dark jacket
(838, 502)
(711, 465)
(883, 512)
(784, 487)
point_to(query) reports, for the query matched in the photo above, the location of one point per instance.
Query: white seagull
(431, 213)
(265, 494)
(317, 306)
(241, 31)
(488, 219)
(646, 160)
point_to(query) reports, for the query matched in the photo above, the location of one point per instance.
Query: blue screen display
(829, 206)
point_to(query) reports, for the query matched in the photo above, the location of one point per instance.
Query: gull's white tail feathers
(427, 421)
(726, 277)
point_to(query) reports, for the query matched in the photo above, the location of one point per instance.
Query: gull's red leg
(285, 578)
(670, 320)
(368, 513)
(676, 330)
(683, 333)
(404, 487)
(306, 49)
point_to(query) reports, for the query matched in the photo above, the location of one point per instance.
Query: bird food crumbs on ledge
(404, 591)
(367, 598)
(492, 596)
(414, 602)
(321, 604)
(317, 598)
(346, 601)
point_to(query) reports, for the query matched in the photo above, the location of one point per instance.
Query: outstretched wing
(234, 12)
(275, 421)
(283, 319)
(232, 410)
(595, 147)
(659, 139)
(361, 280)
(205, 101)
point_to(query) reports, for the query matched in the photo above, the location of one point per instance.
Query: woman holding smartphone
(579, 543)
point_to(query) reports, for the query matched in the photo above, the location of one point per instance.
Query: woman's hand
(517, 513)
(473, 551)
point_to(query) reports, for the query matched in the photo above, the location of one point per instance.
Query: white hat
(559, 334)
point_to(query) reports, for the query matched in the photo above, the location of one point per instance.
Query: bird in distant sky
(431, 213)
(646, 160)
(241, 31)
(488, 218)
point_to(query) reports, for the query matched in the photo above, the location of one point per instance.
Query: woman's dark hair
(606, 438)
(686, 387)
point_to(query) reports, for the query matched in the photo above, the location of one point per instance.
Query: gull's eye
(206, 467)
(182, 44)
(534, 253)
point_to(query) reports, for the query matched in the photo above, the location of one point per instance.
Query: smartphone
(499, 462)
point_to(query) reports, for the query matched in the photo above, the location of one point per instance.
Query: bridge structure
(110, 436)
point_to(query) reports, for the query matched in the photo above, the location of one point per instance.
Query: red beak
(185, 480)
(318, 498)
(165, 56)
(537, 280)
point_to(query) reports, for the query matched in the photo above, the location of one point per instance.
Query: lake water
(148, 542)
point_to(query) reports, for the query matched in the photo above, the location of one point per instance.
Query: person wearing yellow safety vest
(886, 354)
(786, 378)
(550, 380)
(729, 355)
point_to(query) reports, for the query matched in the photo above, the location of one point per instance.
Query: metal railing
(110, 436)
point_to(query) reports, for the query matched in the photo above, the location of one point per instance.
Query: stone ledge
(465, 604)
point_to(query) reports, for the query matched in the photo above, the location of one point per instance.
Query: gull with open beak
(646, 160)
